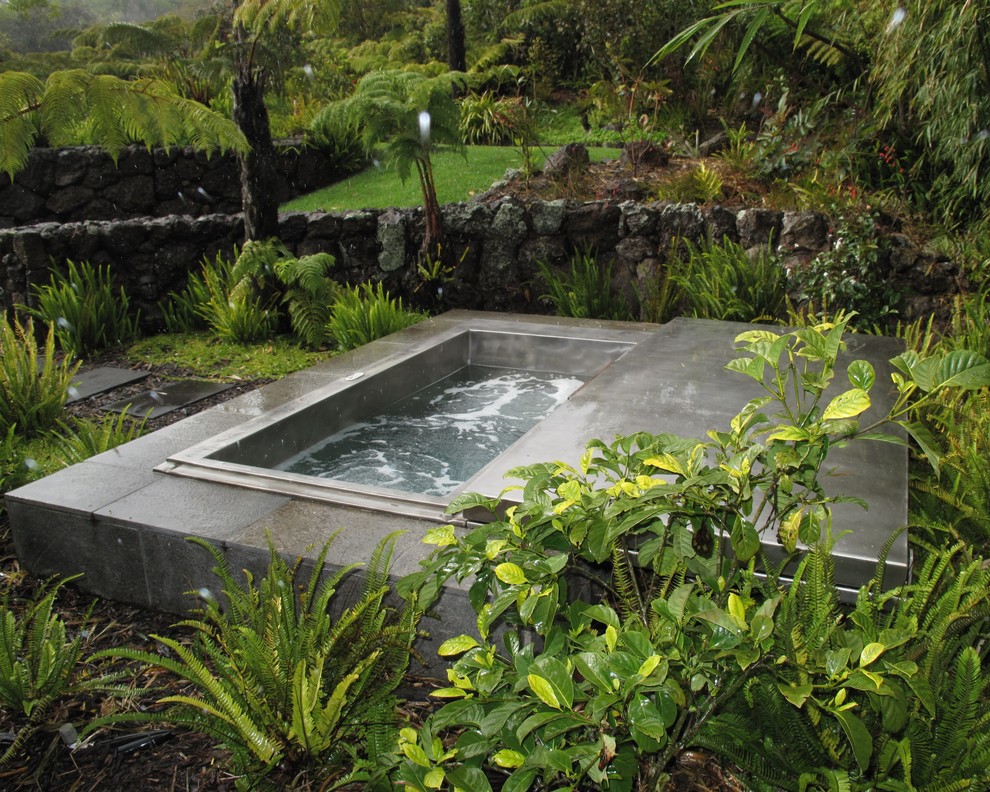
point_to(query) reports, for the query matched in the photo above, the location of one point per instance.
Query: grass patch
(457, 179)
(207, 356)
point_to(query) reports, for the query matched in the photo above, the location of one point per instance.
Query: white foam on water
(432, 441)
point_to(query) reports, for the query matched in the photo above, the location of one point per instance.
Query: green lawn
(457, 179)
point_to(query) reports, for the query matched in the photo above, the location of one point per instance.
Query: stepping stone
(100, 380)
(170, 396)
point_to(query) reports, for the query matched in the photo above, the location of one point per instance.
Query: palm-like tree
(406, 116)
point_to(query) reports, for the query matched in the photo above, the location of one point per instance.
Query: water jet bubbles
(424, 127)
(896, 19)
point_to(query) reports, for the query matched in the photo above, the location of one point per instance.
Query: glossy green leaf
(858, 736)
(415, 753)
(847, 405)
(508, 758)
(544, 690)
(457, 645)
(964, 369)
(870, 653)
(434, 779)
(795, 693)
(440, 537)
(511, 574)
(861, 374)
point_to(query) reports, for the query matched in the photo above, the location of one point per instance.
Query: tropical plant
(585, 291)
(84, 309)
(40, 666)
(83, 437)
(637, 571)
(722, 281)
(848, 275)
(119, 112)
(14, 470)
(234, 310)
(33, 388)
(700, 185)
(411, 114)
(278, 681)
(487, 119)
(366, 312)
(182, 312)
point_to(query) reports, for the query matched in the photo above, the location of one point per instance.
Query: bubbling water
(434, 440)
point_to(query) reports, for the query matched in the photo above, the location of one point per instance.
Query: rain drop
(205, 593)
(153, 395)
(896, 19)
(424, 127)
(308, 71)
(31, 464)
(757, 98)
(73, 392)
(63, 322)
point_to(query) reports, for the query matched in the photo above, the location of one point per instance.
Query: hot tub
(409, 433)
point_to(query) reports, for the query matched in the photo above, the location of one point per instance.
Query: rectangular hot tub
(408, 434)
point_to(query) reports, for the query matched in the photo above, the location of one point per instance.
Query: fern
(275, 679)
(309, 295)
(119, 112)
(85, 438)
(366, 312)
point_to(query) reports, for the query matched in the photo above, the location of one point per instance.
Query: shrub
(277, 681)
(366, 312)
(671, 639)
(83, 438)
(32, 391)
(183, 312)
(493, 121)
(585, 291)
(84, 309)
(848, 277)
(39, 666)
(721, 281)
(234, 310)
(14, 469)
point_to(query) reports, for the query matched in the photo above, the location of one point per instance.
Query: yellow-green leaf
(649, 665)
(544, 690)
(667, 462)
(847, 405)
(415, 753)
(737, 610)
(457, 645)
(509, 758)
(510, 573)
(870, 653)
(434, 779)
(441, 537)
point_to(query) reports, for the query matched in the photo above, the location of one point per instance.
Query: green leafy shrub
(14, 469)
(585, 291)
(721, 281)
(183, 311)
(848, 276)
(234, 309)
(86, 312)
(366, 312)
(340, 142)
(637, 571)
(83, 438)
(701, 185)
(40, 666)
(32, 390)
(489, 120)
(280, 683)
(309, 294)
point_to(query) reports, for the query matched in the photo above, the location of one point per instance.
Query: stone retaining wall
(491, 249)
(83, 183)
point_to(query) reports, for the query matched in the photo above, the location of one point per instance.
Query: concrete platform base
(124, 526)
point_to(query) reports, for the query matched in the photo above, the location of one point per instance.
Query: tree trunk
(456, 52)
(258, 171)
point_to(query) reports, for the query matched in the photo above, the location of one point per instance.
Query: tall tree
(456, 51)
(256, 24)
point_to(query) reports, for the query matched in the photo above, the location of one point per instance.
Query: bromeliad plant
(636, 575)
(279, 682)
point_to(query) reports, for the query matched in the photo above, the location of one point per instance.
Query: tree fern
(119, 111)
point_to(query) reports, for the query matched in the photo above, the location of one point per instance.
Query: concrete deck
(123, 525)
